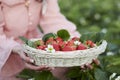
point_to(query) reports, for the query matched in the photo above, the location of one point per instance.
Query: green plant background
(98, 16)
(94, 16)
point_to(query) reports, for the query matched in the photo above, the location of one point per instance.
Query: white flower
(112, 76)
(50, 49)
(77, 42)
(118, 78)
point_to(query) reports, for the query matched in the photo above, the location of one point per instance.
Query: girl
(20, 18)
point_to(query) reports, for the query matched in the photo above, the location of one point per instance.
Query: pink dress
(16, 20)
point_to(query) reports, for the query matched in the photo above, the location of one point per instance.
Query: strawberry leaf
(64, 34)
(47, 36)
(94, 36)
(26, 41)
(100, 75)
(31, 44)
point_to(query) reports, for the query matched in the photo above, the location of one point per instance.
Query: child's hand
(89, 66)
(29, 63)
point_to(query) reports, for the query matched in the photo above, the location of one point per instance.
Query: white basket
(64, 59)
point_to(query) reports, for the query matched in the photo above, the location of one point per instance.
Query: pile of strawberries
(60, 45)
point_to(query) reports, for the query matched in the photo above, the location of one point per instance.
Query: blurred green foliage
(95, 16)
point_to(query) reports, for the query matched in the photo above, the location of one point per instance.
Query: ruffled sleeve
(53, 20)
(6, 44)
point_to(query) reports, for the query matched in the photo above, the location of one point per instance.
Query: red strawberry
(76, 39)
(62, 44)
(58, 39)
(67, 48)
(74, 48)
(51, 38)
(50, 41)
(56, 47)
(81, 47)
(41, 47)
(70, 43)
(90, 43)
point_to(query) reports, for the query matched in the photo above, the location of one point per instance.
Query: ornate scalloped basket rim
(64, 59)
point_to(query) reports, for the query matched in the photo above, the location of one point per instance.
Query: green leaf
(31, 44)
(26, 74)
(113, 63)
(94, 36)
(25, 40)
(44, 75)
(64, 34)
(100, 75)
(73, 72)
(99, 36)
(47, 36)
